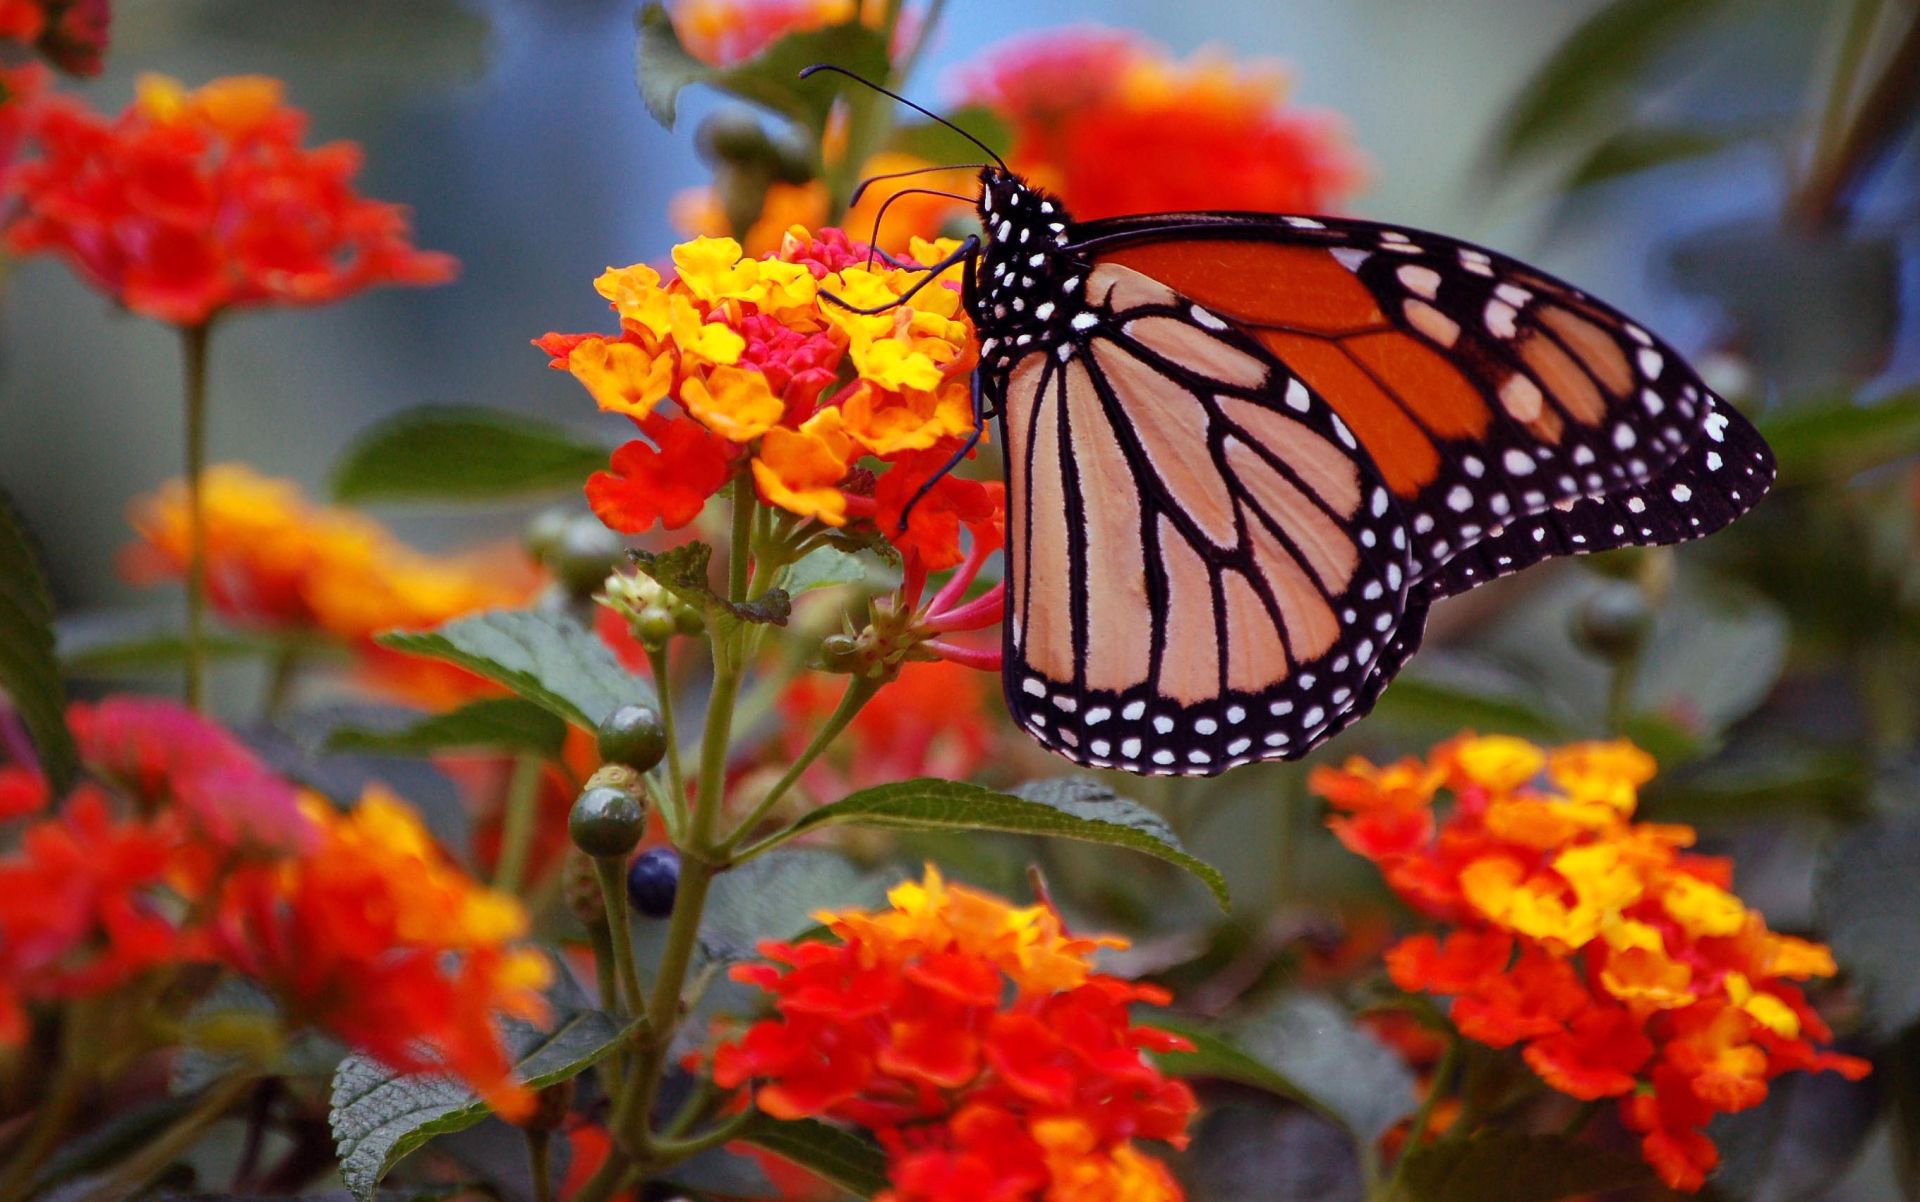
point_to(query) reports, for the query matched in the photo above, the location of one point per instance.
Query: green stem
(1878, 125)
(282, 674)
(194, 343)
(540, 1163)
(1423, 1117)
(1626, 671)
(153, 1158)
(517, 822)
(611, 871)
(860, 690)
(676, 799)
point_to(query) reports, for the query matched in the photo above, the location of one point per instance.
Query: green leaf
(506, 723)
(683, 572)
(1868, 892)
(935, 143)
(824, 567)
(456, 453)
(1306, 1048)
(1839, 439)
(771, 78)
(1590, 70)
(29, 673)
(1516, 1167)
(1450, 692)
(850, 1161)
(775, 897)
(547, 658)
(1643, 148)
(379, 1116)
(89, 648)
(1066, 808)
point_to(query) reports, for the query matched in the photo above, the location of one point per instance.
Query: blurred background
(1674, 157)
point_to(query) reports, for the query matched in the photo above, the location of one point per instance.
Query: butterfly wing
(1205, 567)
(1513, 416)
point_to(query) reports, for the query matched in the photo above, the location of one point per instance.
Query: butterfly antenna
(924, 112)
(860, 189)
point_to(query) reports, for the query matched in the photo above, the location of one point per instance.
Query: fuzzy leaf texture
(505, 723)
(460, 453)
(663, 67)
(546, 658)
(29, 673)
(683, 572)
(1868, 891)
(378, 1116)
(850, 1161)
(1064, 808)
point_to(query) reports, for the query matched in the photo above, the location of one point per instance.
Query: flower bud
(652, 880)
(840, 653)
(634, 736)
(607, 822)
(585, 555)
(688, 619)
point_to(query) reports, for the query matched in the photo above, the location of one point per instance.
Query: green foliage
(852, 1162)
(1517, 1167)
(1642, 148)
(547, 658)
(771, 78)
(1837, 438)
(1869, 896)
(824, 567)
(29, 674)
(378, 1116)
(683, 572)
(776, 896)
(460, 453)
(937, 144)
(1066, 808)
(502, 723)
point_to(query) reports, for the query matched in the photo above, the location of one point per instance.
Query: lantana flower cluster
(839, 416)
(275, 560)
(975, 1039)
(1090, 107)
(192, 202)
(722, 33)
(182, 848)
(1621, 963)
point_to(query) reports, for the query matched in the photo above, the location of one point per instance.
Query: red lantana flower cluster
(183, 848)
(975, 1039)
(193, 202)
(839, 416)
(1090, 106)
(1620, 963)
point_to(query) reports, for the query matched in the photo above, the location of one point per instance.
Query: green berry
(633, 735)
(585, 556)
(840, 652)
(607, 822)
(654, 625)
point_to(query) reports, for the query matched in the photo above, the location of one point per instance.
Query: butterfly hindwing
(1204, 568)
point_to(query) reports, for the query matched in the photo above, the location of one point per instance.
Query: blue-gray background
(514, 130)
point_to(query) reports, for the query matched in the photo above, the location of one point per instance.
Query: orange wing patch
(1259, 283)
(1406, 456)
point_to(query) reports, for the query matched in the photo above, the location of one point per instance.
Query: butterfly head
(1027, 277)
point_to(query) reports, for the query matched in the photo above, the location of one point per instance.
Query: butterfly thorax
(1027, 286)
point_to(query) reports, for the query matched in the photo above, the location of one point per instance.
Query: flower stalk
(194, 341)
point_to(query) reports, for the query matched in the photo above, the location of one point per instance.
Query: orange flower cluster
(184, 849)
(975, 1039)
(769, 376)
(72, 34)
(193, 202)
(722, 33)
(274, 559)
(1621, 963)
(1090, 106)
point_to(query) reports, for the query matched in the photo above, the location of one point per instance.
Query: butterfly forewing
(1205, 567)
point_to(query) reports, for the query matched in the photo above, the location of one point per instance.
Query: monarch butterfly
(1246, 452)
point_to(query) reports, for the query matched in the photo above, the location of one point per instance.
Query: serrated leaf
(683, 572)
(504, 723)
(775, 897)
(1516, 1167)
(850, 1161)
(1591, 69)
(460, 453)
(1839, 439)
(547, 658)
(378, 1116)
(1304, 1047)
(1066, 808)
(29, 673)
(1643, 148)
(1868, 893)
